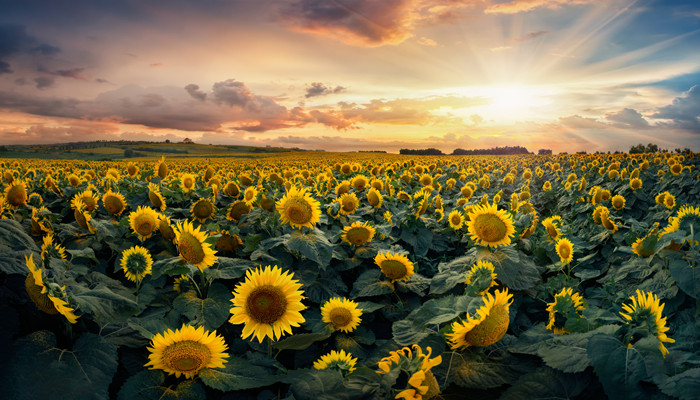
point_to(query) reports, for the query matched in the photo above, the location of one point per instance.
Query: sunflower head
(187, 182)
(660, 198)
(374, 198)
(480, 278)
(567, 306)
(237, 210)
(551, 224)
(414, 365)
(299, 209)
(165, 229)
(268, 303)
(162, 168)
(16, 194)
(565, 250)
(359, 182)
(357, 234)
(349, 203)
(669, 200)
(676, 169)
(338, 360)
(156, 197)
(396, 267)
(618, 202)
(635, 183)
(192, 247)
(643, 318)
(202, 210)
(489, 226)
(456, 219)
(114, 202)
(229, 242)
(136, 263)
(341, 314)
(143, 222)
(488, 325)
(688, 216)
(186, 351)
(50, 250)
(49, 297)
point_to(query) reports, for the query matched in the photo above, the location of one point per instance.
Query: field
(350, 276)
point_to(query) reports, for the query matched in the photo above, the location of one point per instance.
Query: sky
(348, 75)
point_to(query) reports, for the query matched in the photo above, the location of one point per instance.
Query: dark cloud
(319, 89)
(14, 40)
(194, 91)
(44, 82)
(684, 112)
(75, 73)
(232, 93)
(627, 118)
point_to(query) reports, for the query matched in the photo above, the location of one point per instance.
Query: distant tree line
(500, 151)
(422, 152)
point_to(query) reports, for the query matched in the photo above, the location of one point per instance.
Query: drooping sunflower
(396, 267)
(421, 383)
(89, 199)
(40, 222)
(348, 203)
(566, 305)
(50, 250)
(232, 189)
(186, 351)
(481, 277)
(49, 297)
(165, 228)
(644, 246)
(114, 202)
(156, 197)
(374, 198)
(161, 168)
(136, 263)
(338, 360)
(488, 325)
(82, 217)
(268, 303)
(342, 188)
(341, 314)
(489, 226)
(238, 209)
(187, 182)
(358, 233)
(456, 219)
(192, 247)
(565, 250)
(299, 209)
(551, 224)
(132, 169)
(143, 222)
(202, 210)
(618, 202)
(16, 194)
(643, 318)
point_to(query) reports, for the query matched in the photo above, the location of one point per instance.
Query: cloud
(627, 118)
(14, 41)
(232, 93)
(528, 36)
(424, 41)
(194, 91)
(319, 89)
(43, 82)
(518, 6)
(684, 111)
(579, 122)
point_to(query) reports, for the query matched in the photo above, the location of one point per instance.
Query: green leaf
(406, 333)
(210, 312)
(444, 281)
(14, 245)
(419, 239)
(546, 384)
(685, 385)
(514, 269)
(300, 341)
(313, 384)
(149, 385)
(366, 383)
(237, 374)
(230, 268)
(314, 246)
(107, 303)
(169, 266)
(83, 253)
(687, 277)
(478, 372)
(369, 284)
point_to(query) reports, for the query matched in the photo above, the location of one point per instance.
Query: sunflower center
(298, 211)
(90, 203)
(186, 356)
(490, 228)
(340, 317)
(16, 196)
(266, 304)
(203, 209)
(190, 248)
(394, 269)
(552, 231)
(113, 204)
(358, 236)
(238, 210)
(144, 224)
(491, 329)
(348, 205)
(564, 251)
(456, 219)
(188, 182)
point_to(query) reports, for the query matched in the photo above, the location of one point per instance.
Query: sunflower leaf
(301, 341)
(149, 385)
(169, 266)
(14, 245)
(687, 277)
(230, 268)
(210, 312)
(312, 384)
(685, 385)
(237, 374)
(546, 383)
(314, 246)
(369, 284)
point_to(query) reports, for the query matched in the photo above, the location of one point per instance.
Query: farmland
(229, 274)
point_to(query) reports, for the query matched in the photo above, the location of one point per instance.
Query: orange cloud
(518, 6)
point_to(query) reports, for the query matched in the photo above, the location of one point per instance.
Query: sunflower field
(352, 276)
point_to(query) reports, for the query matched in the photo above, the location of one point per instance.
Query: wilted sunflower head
(136, 263)
(489, 226)
(299, 209)
(480, 278)
(643, 318)
(143, 222)
(566, 305)
(186, 351)
(49, 297)
(486, 327)
(396, 267)
(358, 233)
(341, 314)
(202, 210)
(337, 360)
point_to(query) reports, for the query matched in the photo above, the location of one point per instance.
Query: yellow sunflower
(132, 169)
(485, 328)
(48, 297)
(421, 383)
(551, 224)
(268, 303)
(481, 277)
(644, 246)
(567, 304)
(16, 194)
(156, 197)
(89, 199)
(374, 198)
(489, 226)
(229, 242)
(565, 250)
(396, 267)
(359, 182)
(643, 318)
(231, 189)
(82, 218)
(669, 200)
(136, 263)
(40, 222)
(237, 210)
(342, 188)
(187, 182)
(250, 195)
(202, 210)
(348, 203)
(456, 219)
(299, 209)
(161, 168)
(338, 360)
(341, 314)
(114, 202)
(618, 202)
(192, 247)
(165, 228)
(49, 250)
(358, 233)
(186, 351)
(635, 183)
(143, 222)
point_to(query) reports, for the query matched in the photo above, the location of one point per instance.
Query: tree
(544, 151)
(128, 153)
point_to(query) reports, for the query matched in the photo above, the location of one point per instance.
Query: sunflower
(416, 365)
(268, 303)
(250, 195)
(228, 242)
(358, 233)
(156, 198)
(16, 194)
(342, 188)
(348, 203)
(341, 314)
(565, 250)
(40, 222)
(192, 247)
(35, 200)
(143, 222)
(82, 218)
(551, 224)
(643, 318)
(374, 198)
(231, 189)
(48, 297)
(669, 200)
(488, 325)
(165, 229)
(52, 250)
(635, 183)
(161, 168)
(644, 246)
(136, 263)
(237, 210)
(182, 284)
(687, 219)
(359, 182)
(608, 223)
(676, 169)
(338, 360)
(187, 182)
(396, 267)
(299, 209)
(456, 219)
(132, 169)
(74, 180)
(618, 202)
(89, 199)
(481, 277)
(567, 304)
(114, 202)
(489, 226)
(186, 351)
(202, 210)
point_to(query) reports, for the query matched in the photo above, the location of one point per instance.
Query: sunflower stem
(199, 292)
(269, 347)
